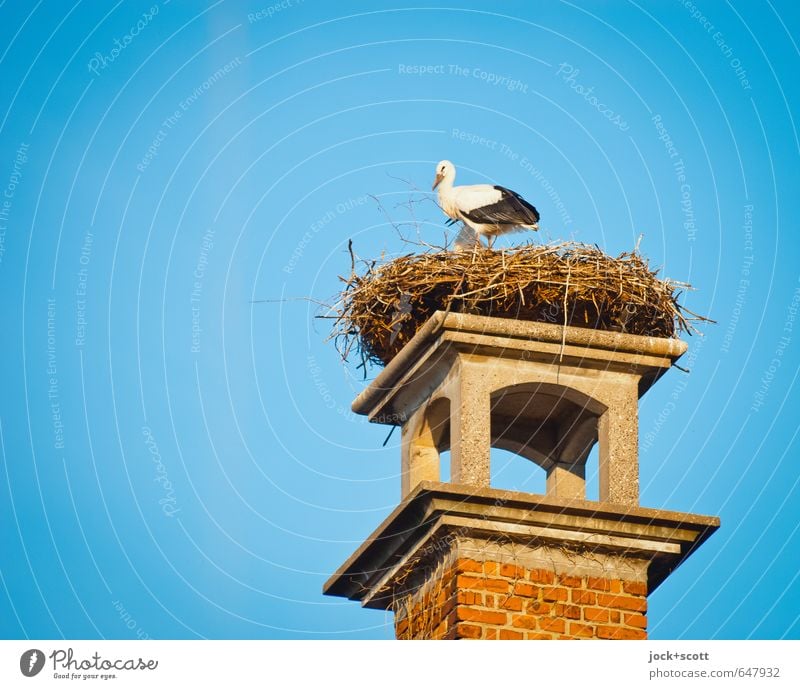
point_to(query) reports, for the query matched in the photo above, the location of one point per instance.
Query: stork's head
(444, 170)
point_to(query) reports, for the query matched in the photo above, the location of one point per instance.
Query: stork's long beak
(439, 178)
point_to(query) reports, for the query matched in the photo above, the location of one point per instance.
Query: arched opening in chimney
(552, 426)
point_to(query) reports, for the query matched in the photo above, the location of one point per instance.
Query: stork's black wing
(511, 209)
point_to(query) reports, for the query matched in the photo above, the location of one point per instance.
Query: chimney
(463, 560)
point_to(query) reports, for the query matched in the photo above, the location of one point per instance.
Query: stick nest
(381, 308)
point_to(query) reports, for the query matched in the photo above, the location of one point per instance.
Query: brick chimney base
(491, 590)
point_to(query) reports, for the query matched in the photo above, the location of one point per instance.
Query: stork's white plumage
(487, 209)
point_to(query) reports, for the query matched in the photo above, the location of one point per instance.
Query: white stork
(488, 210)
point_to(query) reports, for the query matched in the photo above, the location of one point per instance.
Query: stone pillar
(419, 449)
(618, 431)
(567, 480)
(470, 429)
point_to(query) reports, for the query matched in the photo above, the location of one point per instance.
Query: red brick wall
(491, 600)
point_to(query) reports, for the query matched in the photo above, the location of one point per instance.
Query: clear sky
(180, 462)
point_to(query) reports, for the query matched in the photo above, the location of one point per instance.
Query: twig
(564, 329)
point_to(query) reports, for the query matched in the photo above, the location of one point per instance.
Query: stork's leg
(490, 240)
(476, 244)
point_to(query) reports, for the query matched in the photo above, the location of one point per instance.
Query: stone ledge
(660, 538)
(507, 337)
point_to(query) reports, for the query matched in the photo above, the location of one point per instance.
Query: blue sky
(181, 462)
